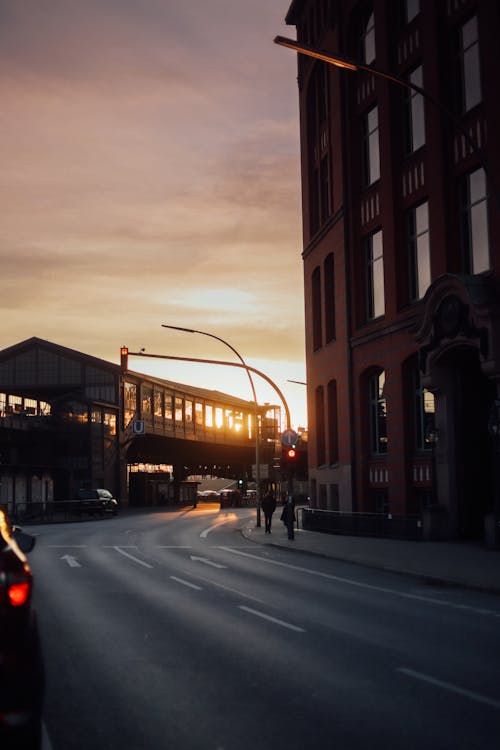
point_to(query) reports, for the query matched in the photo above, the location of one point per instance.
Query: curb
(429, 579)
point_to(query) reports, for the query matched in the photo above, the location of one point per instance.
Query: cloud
(150, 173)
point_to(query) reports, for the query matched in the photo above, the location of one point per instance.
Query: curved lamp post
(256, 409)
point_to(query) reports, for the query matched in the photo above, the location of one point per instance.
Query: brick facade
(415, 240)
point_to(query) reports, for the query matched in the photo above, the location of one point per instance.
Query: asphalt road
(170, 630)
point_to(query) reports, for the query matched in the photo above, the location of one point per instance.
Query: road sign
(138, 427)
(289, 437)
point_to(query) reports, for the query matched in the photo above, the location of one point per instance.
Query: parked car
(97, 502)
(208, 495)
(21, 667)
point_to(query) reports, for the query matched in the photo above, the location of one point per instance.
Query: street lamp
(256, 408)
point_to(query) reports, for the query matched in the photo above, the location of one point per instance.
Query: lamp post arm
(223, 341)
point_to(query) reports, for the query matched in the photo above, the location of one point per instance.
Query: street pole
(256, 408)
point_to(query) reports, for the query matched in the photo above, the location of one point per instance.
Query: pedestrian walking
(268, 506)
(288, 516)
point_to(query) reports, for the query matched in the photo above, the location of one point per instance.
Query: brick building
(401, 251)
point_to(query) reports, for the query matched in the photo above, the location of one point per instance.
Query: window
(158, 403)
(320, 190)
(146, 401)
(15, 404)
(371, 155)
(474, 223)
(317, 324)
(320, 426)
(179, 409)
(374, 259)
(411, 9)
(329, 287)
(169, 411)
(424, 413)
(378, 414)
(109, 423)
(333, 432)
(414, 121)
(417, 242)
(368, 40)
(467, 64)
(198, 412)
(129, 402)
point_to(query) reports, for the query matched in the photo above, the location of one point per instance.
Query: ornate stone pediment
(459, 310)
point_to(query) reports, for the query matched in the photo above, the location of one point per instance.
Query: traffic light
(288, 455)
(124, 357)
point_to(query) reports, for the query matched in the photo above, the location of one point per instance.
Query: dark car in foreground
(21, 669)
(98, 502)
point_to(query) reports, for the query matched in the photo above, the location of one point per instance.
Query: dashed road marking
(275, 620)
(478, 697)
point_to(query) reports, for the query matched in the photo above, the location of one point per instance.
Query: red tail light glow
(19, 593)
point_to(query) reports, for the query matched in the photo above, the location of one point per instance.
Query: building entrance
(465, 449)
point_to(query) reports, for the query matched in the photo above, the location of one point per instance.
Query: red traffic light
(291, 453)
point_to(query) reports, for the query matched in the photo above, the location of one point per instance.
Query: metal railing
(385, 525)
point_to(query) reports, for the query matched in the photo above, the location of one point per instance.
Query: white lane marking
(72, 561)
(173, 546)
(207, 531)
(233, 591)
(205, 561)
(131, 557)
(359, 584)
(449, 686)
(271, 619)
(186, 583)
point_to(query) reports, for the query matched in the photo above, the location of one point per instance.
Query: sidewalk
(452, 563)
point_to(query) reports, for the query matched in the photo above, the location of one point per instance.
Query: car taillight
(19, 593)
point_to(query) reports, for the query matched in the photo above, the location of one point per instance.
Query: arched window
(424, 413)
(378, 413)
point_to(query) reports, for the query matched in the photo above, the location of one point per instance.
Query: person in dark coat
(288, 516)
(268, 506)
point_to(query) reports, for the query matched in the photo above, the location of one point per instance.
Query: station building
(70, 421)
(401, 254)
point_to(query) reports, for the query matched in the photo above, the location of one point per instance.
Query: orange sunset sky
(150, 174)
